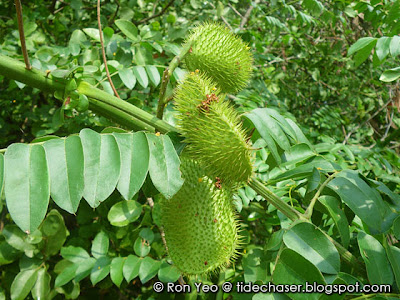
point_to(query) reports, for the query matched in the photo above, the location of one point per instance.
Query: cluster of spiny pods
(200, 223)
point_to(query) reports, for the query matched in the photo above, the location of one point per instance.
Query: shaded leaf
(168, 273)
(305, 169)
(333, 206)
(153, 74)
(66, 275)
(395, 46)
(364, 201)
(42, 286)
(141, 76)
(74, 254)
(124, 212)
(65, 161)
(127, 77)
(100, 245)
(292, 268)
(382, 47)
(84, 269)
(26, 185)
(164, 165)
(116, 275)
(393, 254)
(148, 269)
(360, 44)
(308, 241)
(390, 75)
(376, 261)
(128, 28)
(23, 283)
(8, 254)
(54, 232)
(102, 166)
(16, 238)
(141, 247)
(93, 33)
(1, 173)
(131, 267)
(135, 154)
(100, 269)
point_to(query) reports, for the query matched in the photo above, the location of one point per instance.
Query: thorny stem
(103, 51)
(18, 7)
(309, 211)
(166, 76)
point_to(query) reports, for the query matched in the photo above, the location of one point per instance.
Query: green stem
(121, 117)
(110, 100)
(14, 69)
(309, 211)
(273, 199)
(166, 76)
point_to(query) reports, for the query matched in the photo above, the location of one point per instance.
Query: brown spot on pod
(218, 183)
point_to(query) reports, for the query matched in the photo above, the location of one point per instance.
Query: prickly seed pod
(200, 225)
(220, 54)
(212, 130)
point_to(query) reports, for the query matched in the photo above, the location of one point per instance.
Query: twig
(283, 207)
(166, 76)
(388, 126)
(247, 15)
(115, 13)
(156, 15)
(235, 10)
(355, 129)
(103, 51)
(18, 7)
(309, 210)
(222, 18)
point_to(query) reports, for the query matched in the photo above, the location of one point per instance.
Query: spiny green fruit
(212, 130)
(221, 55)
(200, 225)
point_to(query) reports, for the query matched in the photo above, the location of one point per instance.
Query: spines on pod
(212, 130)
(200, 224)
(220, 54)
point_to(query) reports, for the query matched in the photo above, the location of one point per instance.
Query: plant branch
(166, 77)
(294, 215)
(247, 14)
(110, 100)
(286, 209)
(18, 7)
(309, 211)
(155, 15)
(15, 70)
(369, 119)
(103, 51)
(222, 18)
(235, 10)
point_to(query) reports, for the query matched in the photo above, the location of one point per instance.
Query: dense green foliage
(322, 110)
